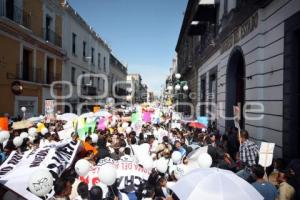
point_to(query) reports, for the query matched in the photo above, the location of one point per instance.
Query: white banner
(17, 169)
(128, 174)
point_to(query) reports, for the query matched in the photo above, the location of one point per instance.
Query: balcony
(33, 75)
(14, 13)
(51, 36)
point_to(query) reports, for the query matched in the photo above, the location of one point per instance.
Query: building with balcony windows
(143, 92)
(117, 80)
(87, 63)
(246, 53)
(31, 57)
(137, 91)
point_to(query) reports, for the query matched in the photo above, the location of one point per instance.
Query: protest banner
(19, 167)
(129, 174)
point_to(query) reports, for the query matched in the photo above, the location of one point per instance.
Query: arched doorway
(235, 85)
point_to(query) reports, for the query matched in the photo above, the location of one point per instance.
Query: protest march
(146, 151)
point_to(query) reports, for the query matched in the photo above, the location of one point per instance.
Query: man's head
(258, 171)
(212, 138)
(62, 188)
(127, 151)
(83, 190)
(282, 176)
(96, 193)
(244, 135)
(133, 141)
(88, 140)
(151, 139)
(177, 144)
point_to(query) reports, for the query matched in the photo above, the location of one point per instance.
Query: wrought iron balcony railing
(15, 14)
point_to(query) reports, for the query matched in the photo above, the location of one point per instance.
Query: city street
(150, 100)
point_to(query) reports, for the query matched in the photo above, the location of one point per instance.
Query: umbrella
(22, 124)
(196, 125)
(103, 113)
(67, 117)
(214, 184)
(36, 119)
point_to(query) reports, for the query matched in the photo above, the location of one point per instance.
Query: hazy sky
(141, 33)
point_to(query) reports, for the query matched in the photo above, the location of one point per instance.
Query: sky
(141, 33)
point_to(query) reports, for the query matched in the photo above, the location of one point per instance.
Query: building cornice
(70, 10)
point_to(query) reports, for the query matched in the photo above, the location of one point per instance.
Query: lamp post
(177, 85)
(23, 109)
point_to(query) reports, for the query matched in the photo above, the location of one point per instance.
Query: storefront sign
(242, 31)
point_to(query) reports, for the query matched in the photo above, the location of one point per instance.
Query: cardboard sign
(237, 116)
(49, 110)
(266, 154)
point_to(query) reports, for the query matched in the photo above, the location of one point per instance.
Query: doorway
(235, 86)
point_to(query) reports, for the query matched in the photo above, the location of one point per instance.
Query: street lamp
(177, 87)
(170, 88)
(177, 76)
(23, 109)
(185, 88)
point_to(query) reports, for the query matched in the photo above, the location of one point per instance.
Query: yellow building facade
(31, 57)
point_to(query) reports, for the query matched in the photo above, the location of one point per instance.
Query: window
(91, 81)
(74, 43)
(99, 60)
(92, 54)
(73, 73)
(26, 65)
(48, 28)
(104, 64)
(98, 86)
(84, 50)
(49, 70)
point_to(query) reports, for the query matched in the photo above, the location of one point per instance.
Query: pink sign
(101, 124)
(147, 117)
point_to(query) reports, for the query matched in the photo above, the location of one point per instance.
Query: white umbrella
(214, 184)
(67, 117)
(36, 119)
(103, 113)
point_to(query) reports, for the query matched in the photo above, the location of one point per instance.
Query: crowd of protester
(279, 181)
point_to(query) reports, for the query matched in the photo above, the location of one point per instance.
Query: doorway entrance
(235, 85)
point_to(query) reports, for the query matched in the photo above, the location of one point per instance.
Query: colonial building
(136, 87)
(117, 79)
(143, 92)
(246, 53)
(150, 96)
(87, 63)
(31, 57)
